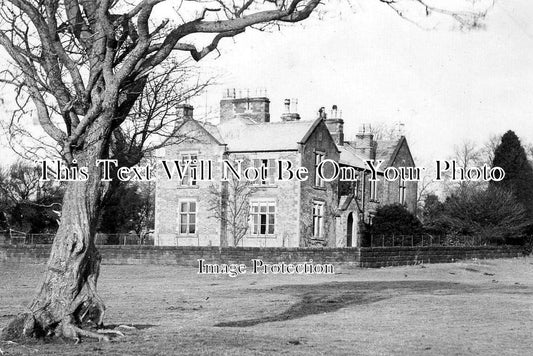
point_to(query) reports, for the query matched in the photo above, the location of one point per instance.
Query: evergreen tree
(511, 156)
(395, 219)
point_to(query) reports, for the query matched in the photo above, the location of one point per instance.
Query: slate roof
(271, 136)
(349, 157)
(385, 150)
(213, 130)
(245, 135)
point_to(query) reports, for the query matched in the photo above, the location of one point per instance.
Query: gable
(319, 137)
(191, 132)
(402, 157)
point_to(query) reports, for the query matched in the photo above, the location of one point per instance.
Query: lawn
(468, 308)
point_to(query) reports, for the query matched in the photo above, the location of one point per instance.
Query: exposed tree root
(25, 326)
(112, 332)
(75, 333)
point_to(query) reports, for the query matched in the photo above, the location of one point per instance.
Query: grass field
(467, 308)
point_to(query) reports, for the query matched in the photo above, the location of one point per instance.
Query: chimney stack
(364, 142)
(287, 103)
(239, 103)
(335, 124)
(184, 112)
(291, 110)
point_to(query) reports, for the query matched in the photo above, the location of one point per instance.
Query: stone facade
(287, 213)
(170, 193)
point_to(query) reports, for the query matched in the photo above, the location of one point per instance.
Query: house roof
(385, 149)
(245, 135)
(388, 150)
(349, 157)
(213, 130)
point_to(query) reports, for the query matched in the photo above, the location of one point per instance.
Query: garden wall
(188, 256)
(374, 257)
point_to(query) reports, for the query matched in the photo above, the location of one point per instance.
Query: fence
(21, 238)
(424, 240)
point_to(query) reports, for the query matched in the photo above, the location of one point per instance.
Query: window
(374, 190)
(260, 164)
(319, 157)
(318, 219)
(401, 191)
(263, 218)
(187, 217)
(189, 166)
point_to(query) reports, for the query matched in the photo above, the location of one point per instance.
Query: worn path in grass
(466, 308)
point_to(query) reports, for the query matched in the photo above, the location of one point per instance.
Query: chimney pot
(287, 103)
(291, 110)
(240, 104)
(185, 111)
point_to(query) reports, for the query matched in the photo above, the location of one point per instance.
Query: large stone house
(316, 211)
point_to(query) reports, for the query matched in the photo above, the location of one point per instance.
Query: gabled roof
(271, 136)
(386, 150)
(204, 127)
(349, 157)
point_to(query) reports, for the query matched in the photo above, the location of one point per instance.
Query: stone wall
(188, 255)
(374, 257)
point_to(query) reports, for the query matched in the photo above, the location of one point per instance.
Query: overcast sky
(444, 85)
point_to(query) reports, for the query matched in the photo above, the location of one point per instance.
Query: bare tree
(19, 182)
(425, 188)
(386, 131)
(231, 206)
(488, 149)
(26, 203)
(466, 154)
(83, 64)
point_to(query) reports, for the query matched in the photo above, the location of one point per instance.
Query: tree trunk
(67, 299)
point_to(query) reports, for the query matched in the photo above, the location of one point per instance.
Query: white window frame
(255, 217)
(189, 177)
(270, 165)
(401, 191)
(374, 190)
(188, 215)
(319, 157)
(318, 218)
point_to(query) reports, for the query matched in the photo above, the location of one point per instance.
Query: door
(349, 231)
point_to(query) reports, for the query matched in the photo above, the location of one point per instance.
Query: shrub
(492, 214)
(395, 219)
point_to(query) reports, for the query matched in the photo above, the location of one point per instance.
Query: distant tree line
(494, 212)
(28, 205)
